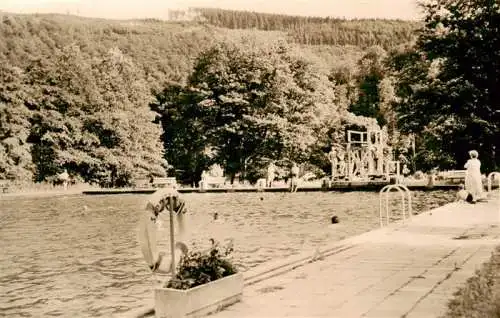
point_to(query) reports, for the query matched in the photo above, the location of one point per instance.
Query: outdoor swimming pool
(78, 256)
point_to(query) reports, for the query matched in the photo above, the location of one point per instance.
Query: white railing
(492, 176)
(405, 200)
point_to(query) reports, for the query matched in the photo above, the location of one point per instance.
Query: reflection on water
(77, 256)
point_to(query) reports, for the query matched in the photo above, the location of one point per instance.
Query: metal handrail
(403, 190)
(490, 179)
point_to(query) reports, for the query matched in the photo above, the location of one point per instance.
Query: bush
(198, 268)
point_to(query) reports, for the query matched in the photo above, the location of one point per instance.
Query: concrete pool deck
(407, 269)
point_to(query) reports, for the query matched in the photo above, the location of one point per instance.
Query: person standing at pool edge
(295, 176)
(332, 156)
(271, 174)
(473, 179)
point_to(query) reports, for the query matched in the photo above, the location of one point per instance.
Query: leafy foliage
(370, 75)
(91, 118)
(449, 82)
(183, 135)
(15, 155)
(250, 104)
(198, 268)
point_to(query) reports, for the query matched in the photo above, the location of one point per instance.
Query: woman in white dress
(473, 179)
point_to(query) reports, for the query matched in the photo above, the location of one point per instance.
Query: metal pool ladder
(405, 200)
(491, 176)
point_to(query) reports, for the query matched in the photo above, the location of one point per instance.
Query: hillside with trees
(163, 50)
(112, 101)
(311, 30)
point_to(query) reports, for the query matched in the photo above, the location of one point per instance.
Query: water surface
(78, 256)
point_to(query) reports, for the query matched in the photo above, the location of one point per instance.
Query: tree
(184, 134)
(267, 103)
(371, 73)
(92, 117)
(449, 83)
(15, 155)
(255, 103)
(59, 88)
(128, 130)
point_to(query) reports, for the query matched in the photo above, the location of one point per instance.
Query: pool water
(78, 256)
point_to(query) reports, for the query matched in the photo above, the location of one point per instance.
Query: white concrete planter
(200, 300)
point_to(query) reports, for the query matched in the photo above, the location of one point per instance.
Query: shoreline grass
(480, 297)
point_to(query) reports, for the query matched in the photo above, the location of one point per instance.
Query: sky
(131, 9)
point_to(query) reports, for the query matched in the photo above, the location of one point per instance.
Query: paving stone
(429, 307)
(397, 305)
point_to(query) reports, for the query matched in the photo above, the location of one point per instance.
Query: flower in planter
(198, 268)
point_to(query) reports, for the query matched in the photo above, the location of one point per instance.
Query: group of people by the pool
(471, 191)
(294, 175)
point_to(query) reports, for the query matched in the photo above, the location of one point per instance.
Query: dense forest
(310, 30)
(113, 101)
